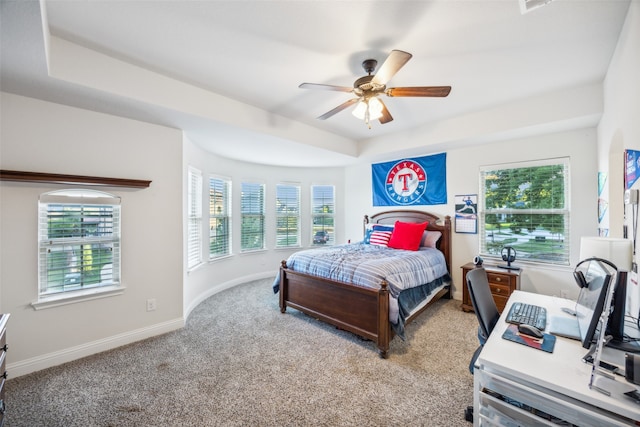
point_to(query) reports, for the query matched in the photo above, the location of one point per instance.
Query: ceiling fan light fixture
(375, 108)
(360, 110)
(368, 109)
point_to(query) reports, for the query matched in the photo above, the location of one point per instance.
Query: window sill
(220, 258)
(252, 251)
(493, 259)
(288, 248)
(77, 296)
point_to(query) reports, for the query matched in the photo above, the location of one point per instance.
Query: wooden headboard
(436, 223)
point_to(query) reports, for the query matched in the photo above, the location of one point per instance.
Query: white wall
(463, 178)
(619, 128)
(220, 274)
(43, 137)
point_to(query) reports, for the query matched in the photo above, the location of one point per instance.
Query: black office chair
(486, 312)
(484, 306)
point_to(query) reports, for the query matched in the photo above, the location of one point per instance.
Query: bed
(364, 310)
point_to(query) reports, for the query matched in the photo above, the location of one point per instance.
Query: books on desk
(547, 342)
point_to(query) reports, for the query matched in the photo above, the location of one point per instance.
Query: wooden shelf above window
(7, 175)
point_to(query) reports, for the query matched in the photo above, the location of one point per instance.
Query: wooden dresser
(501, 281)
(3, 363)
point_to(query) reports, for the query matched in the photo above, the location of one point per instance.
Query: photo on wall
(466, 206)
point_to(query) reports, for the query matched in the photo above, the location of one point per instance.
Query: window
(287, 215)
(252, 213)
(194, 207)
(526, 206)
(219, 217)
(322, 214)
(79, 241)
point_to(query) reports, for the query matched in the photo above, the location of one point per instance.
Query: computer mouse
(532, 331)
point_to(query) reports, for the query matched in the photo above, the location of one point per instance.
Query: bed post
(447, 249)
(384, 329)
(364, 225)
(283, 288)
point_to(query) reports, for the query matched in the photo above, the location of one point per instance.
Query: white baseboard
(34, 364)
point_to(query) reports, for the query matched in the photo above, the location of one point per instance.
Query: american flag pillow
(380, 238)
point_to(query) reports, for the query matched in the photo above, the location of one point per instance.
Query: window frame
(225, 215)
(89, 218)
(531, 238)
(252, 215)
(291, 213)
(194, 218)
(323, 221)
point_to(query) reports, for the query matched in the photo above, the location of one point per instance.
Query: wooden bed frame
(362, 311)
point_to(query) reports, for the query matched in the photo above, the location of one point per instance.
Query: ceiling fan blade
(391, 65)
(325, 87)
(338, 108)
(435, 91)
(386, 115)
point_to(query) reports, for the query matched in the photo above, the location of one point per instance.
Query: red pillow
(407, 235)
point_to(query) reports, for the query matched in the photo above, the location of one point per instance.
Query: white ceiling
(227, 72)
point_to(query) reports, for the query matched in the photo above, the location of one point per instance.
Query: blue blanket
(368, 265)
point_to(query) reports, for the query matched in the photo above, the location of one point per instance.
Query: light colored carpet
(240, 362)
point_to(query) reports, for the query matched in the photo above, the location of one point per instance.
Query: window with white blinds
(219, 217)
(252, 217)
(526, 206)
(287, 215)
(79, 241)
(322, 214)
(194, 218)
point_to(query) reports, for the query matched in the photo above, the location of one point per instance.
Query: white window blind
(526, 206)
(219, 217)
(287, 215)
(252, 217)
(79, 241)
(194, 214)
(322, 214)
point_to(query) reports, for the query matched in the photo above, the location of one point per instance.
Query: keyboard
(533, 315)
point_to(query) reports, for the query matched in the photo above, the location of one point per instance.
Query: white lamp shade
(360, 110)
(618, 251)
(375, 109)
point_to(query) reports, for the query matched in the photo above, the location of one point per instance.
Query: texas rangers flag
(417, 181)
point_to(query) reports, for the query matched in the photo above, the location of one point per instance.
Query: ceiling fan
(369, 105)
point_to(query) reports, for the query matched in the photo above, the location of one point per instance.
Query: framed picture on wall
(466, 206)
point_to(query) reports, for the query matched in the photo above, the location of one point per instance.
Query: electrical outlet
(151, 304)
(564, 294)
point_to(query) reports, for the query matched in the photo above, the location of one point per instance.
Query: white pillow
(430, 238)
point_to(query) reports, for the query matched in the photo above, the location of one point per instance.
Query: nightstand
(501, 281)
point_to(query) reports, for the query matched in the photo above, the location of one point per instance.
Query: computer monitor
(615, 325)
(591, 300)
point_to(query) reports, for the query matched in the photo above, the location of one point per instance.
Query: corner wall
(217, 275)
(619, 129)
(39, 136)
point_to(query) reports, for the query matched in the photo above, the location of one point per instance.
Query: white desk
(556, 383)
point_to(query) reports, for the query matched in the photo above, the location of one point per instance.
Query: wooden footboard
(362, 311)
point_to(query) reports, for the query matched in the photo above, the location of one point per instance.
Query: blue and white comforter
(368, 265)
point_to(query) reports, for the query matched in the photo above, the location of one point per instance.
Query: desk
(556, 383)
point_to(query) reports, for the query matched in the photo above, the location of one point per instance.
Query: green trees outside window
(79, 241)
(252, 217)
(525, 206)
(322, 214)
